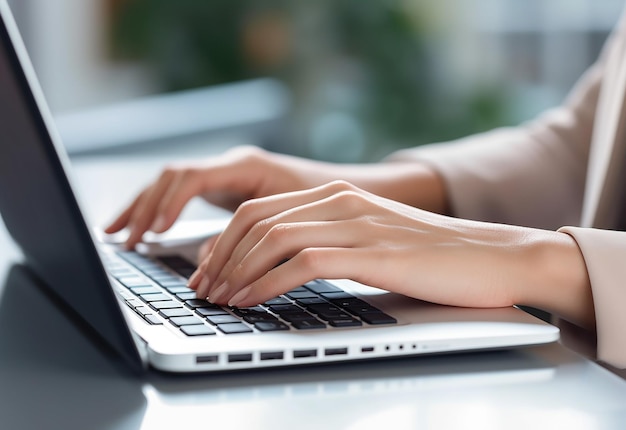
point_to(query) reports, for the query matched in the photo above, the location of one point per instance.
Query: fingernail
(217, 294)
(203, 289)
(159, 224)
(240, 296)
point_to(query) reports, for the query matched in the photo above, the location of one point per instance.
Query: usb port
(277, 355)
(336, 351)
(367, 349)
(206, 359)
(303, 353)
(233, 358)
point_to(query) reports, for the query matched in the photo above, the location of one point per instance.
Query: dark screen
(40, 210)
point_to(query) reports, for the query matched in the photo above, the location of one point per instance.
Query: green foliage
(369, 60)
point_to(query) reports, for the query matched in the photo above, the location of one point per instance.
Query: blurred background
(340, 80)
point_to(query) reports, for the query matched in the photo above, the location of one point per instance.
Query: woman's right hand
(248, 172)
(226, 180)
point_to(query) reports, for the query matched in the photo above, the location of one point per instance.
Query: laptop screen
(37, 203)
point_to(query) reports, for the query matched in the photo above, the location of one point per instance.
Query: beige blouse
(565, 170)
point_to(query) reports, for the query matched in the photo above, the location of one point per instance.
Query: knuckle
(188, 173)
(249, 153)
(311, 260)
(350, 200)
(246, 209)
(277, 234)
(260, 228)
(169, 171)
(340, 185)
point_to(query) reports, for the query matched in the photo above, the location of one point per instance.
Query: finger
(183, 187)
(252, 212)
(143, 216)
(122, 220)
(309, 264)
(207, 247)
(284, 241)
(340, 206)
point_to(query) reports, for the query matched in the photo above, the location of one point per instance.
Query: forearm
(412, 183)
(409, 182)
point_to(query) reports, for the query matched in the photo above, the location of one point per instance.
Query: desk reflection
(53, 375)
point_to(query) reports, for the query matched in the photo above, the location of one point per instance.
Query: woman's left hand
(340, 231)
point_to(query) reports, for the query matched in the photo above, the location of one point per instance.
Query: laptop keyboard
(156, 289)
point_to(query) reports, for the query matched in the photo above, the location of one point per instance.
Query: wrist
(556, 278)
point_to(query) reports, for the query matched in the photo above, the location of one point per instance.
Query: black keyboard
(156, 289)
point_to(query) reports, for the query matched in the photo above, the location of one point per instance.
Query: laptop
(141, 306)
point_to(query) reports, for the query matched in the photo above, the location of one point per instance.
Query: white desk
(54, 375)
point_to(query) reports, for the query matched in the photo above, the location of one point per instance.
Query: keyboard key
(345, 322)
(145, 290)
(176, 289)
(205, 312)
(325, 308)
(125, 293)
(143, 310)
(311, 301)
(308, 324)
(176, 312)
(253, 319)
(337, 295)
(277, 301)
(222, 319)
(348, 302)
(154, 273)
(361, 310)
(133, 303)
(378, 318)
(158, 297)
(271, 326)
(120, 273)
(294, 295)
(134, 281)
(181, 266)
(197, 330)
(174, 282)
(166, 304)
(322, 287)
(248, 311)
(152, 319)
(186, 296)
(234, 328)
(281, 309)
(181, 321)
(334, 316)
(165, 276)
(297, 316)
(199, 303)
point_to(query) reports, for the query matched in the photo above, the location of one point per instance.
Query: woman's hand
(227, 180)
(249, 172)
(340, 231)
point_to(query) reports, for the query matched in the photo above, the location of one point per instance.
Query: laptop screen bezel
(39, 207)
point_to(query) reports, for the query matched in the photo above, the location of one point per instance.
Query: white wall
(66, 40)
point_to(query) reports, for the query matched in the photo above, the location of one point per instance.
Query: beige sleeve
(604, 252)
(531, 175)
